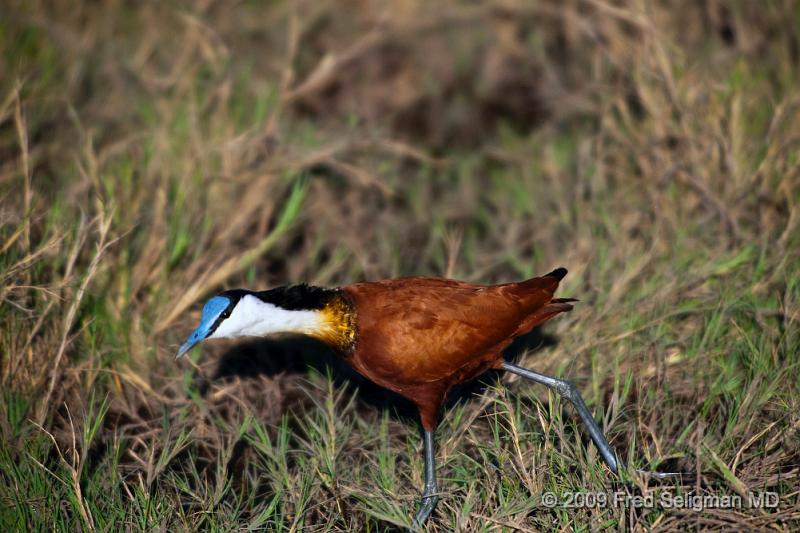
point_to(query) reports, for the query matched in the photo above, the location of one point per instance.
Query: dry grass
(153, 153)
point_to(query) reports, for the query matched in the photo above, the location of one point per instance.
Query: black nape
(297, 297)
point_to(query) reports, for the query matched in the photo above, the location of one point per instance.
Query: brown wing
(420, 330)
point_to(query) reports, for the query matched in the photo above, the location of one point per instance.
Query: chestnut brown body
(420, 336)
(415, 336)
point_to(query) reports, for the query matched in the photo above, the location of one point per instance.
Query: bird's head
(296, 309)
(216, 311)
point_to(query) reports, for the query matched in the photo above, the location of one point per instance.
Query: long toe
(425, 509)
(662, 475)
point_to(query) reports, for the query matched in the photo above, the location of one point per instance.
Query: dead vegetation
(153, 153)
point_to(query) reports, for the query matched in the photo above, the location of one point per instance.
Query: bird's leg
(429, 496)
(568, 391)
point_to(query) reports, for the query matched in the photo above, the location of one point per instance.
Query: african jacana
(415, 336)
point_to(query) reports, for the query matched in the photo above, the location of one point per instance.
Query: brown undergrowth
(154, 153)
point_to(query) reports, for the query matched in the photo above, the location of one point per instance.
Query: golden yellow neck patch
(339, 324)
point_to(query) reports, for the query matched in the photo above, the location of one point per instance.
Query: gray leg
(429, 496)
(568, 391)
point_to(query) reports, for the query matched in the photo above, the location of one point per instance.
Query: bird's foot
(428, 504)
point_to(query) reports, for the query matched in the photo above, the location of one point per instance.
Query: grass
(152, 154)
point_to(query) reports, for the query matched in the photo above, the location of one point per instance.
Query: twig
(22, 134)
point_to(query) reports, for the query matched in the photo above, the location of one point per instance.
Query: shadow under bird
(415, 336)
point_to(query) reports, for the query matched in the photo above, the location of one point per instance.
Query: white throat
(253, 318)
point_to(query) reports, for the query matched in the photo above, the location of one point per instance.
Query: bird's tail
(554, 307)
(558, 273)
(549, 284)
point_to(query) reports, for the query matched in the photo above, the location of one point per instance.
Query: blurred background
(154, 153)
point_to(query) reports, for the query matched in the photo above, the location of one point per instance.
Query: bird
(416, 336)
